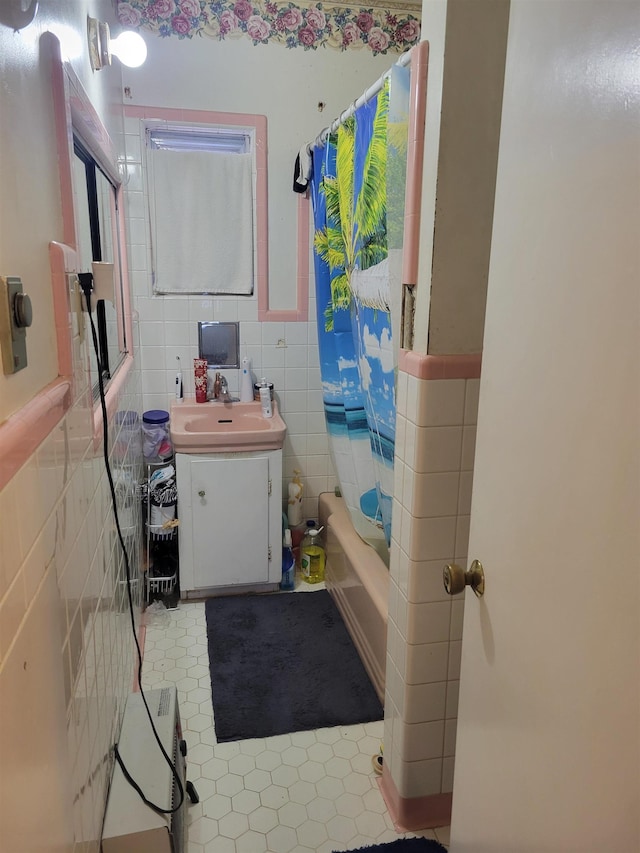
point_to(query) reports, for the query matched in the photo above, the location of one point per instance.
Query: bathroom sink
(217, 427)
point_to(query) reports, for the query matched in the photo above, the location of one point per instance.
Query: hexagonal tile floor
(306, 792)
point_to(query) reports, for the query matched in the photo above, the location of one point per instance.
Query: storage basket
(158, 532)
(160, 585)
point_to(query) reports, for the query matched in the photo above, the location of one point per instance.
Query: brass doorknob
(456, 579)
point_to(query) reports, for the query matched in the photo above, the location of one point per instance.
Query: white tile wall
(432, 504)
(66, 649)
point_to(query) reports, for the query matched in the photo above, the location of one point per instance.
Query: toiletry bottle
(179, 387)
(294, 501)
(246, 386)
(288, 564)
(265, 402)
(312, 557)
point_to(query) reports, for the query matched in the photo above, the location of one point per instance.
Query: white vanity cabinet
(230, 521)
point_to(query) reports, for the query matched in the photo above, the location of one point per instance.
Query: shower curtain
(358, 190)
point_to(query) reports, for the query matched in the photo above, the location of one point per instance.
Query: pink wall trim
(440, 366)
(23, 432)
(411, 814)
(415, 158)
(301, 313)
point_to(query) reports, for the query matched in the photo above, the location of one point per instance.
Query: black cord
(86, 280)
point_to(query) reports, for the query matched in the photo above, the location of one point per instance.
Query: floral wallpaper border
(301, 24)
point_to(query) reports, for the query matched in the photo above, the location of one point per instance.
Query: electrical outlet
(15, 317)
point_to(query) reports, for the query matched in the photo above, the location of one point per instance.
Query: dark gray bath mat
(404, 845)
(284, 663)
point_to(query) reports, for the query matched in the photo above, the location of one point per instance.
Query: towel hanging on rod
(302, 170)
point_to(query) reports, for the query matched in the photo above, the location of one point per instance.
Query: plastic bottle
(288, 564)
(246, 385)
(294, 502)
(312, 558)
(265, 403)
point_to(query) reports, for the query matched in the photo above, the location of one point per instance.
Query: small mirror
(219, 343)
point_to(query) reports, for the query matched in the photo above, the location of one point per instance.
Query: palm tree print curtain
(358, 200)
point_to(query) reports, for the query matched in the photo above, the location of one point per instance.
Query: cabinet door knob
(201, 493)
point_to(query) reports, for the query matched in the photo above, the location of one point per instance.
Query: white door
(230, 505)
(548, 755)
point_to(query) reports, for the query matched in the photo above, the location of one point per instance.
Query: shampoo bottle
(265, 402)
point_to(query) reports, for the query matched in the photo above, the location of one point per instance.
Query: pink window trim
(75, 112)
(259, 123)
(440, 366)
(301, 313)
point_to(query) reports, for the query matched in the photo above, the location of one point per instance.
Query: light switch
(15, 317)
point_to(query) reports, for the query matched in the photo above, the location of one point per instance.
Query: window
(96, 208)
(201, 184)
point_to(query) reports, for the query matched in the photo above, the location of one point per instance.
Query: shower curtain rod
(366, 96)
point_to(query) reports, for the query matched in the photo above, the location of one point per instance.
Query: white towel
(201, 206)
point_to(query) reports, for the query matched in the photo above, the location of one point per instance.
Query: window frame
(213, 131)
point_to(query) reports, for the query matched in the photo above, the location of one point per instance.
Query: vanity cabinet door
(224, 503)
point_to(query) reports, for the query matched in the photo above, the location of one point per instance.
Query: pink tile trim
(412, 813)
(74, 111)
(440, 366)
(415, 157)
(23, 432)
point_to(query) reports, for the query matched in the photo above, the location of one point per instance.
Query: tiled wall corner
(66, 650)
(432, 505)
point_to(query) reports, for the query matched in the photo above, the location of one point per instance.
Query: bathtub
(358, 581)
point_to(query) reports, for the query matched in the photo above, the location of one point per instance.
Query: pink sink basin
(217, 427)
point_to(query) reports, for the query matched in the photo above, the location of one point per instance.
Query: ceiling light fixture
(129, 47)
